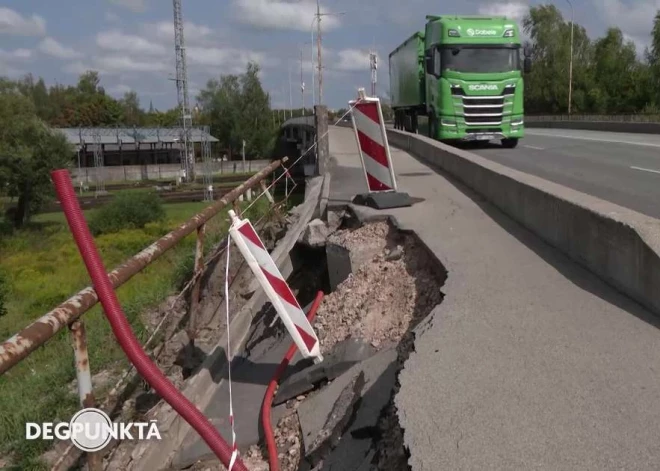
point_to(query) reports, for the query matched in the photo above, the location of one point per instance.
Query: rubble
(388, 294)
(315, 234)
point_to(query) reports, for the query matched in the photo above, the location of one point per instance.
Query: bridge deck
(530, 362)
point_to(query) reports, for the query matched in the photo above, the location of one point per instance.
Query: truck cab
(473, 69)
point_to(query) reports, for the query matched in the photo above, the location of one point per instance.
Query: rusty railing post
(197, 275)
(84, 376)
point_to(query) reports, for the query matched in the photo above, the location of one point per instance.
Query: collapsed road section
(379, 284)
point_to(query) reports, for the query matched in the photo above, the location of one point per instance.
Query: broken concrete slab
(315, 234)
(334, 220)
(356, 442)
(343, 356)
(340, 417)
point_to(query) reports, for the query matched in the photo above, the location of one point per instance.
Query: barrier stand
(276, 288)
(371, 137)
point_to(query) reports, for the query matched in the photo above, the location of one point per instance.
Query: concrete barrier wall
(617, 244)
(607, 126)
(125, 173)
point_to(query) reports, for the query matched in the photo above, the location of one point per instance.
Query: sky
(131, 42)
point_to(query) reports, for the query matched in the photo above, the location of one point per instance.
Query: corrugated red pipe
(122, 329)
(270, 392)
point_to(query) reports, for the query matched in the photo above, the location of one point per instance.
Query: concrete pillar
(322, 138)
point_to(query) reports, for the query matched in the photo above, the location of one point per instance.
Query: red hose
(122, 329)
(270, 392)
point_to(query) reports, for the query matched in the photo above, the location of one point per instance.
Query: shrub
(128, 210)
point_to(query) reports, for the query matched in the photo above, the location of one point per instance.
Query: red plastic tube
(122, 329)
(273, 464)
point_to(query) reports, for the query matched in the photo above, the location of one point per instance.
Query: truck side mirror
(429, 64)
(527, 51)
(527, 65)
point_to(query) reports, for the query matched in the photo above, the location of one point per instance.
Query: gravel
(385, 297)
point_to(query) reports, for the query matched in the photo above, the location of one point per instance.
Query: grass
(44, 269)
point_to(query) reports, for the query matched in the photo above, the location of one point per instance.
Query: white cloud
(634, 19)
(513, 10)
(15, 24)
(130, 44)
(120, 89)
(76, 68)
(228, 60)
(352, 60)
(115, 64)
(193, 33)
(111, 17)
(51, 47)
(136, 6)
(281, 14)
(11, 62)
(15, 55)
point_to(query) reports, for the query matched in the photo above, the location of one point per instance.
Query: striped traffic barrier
(374, 151)
(275, 286)
(369, 127)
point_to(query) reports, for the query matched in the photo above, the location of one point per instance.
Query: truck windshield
(470, 59)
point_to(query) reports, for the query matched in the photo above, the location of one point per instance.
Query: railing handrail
(23, 343)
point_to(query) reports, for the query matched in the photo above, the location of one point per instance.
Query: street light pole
(302, 83)
(570, 65)
(318, 48)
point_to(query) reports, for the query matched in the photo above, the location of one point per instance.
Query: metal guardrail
(69, 313)
(610, 118)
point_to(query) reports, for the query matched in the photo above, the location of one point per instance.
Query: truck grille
(482, 110)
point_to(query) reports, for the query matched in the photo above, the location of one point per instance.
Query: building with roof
(133, 146)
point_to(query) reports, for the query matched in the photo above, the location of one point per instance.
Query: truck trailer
(465, 74)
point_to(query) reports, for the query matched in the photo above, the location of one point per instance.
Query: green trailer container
(407, 73)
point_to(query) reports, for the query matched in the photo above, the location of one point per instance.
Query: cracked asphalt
(530, 362)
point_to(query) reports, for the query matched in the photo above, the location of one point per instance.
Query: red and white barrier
(369, 127)
(285, 303)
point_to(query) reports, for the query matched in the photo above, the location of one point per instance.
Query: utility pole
(290, 91)
(373, 64)
(302, 83)
(570, 64)
(318, 49)
(188, 152)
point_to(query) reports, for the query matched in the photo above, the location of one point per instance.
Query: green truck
(465, 74)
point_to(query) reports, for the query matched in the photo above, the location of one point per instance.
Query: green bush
(128, 210)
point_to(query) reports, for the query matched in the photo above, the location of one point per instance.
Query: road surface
(530, 362)
(619, 167)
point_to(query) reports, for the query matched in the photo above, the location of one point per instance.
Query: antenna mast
(188, 150)
(373, 65)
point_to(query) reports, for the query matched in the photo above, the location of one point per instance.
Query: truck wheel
(510, 143)
(433, 127)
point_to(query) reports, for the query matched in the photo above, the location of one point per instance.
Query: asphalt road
(529, 362)
(618, 167)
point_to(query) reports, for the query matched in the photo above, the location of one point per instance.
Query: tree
(29, 150)
(131, 111)
(237, 108)
(255, 125)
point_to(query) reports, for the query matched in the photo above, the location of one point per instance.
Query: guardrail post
(197, 275)
(84, 376)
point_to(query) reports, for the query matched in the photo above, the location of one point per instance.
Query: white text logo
(482, 87)
(481, 32)
(91, 430)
